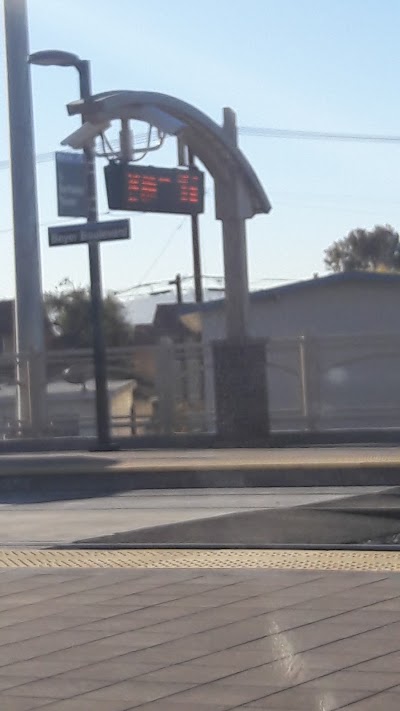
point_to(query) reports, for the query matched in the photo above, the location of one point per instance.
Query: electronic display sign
(151, 189)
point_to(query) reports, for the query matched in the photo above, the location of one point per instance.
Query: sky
(324, 65)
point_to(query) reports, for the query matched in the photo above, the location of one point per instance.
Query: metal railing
(319, 384)
(336, 382)
(70, 392)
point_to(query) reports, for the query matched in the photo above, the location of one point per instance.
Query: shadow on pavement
(353, 520)
(64, 477)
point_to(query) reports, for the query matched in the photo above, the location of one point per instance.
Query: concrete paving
(199, 640)
(24, 521)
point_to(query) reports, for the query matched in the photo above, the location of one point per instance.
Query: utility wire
(48, 157)
(146, 285)
(263, 132)
(219, 279)
(164, 249)
(59, 223)
(266, 132)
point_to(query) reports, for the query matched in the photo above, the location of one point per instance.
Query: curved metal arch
(204, 136)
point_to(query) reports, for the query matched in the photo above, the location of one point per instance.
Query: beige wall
(120, 406)
(352, 355)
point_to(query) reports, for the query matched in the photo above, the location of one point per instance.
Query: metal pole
(198, 287)
(304, 381)
(29, 312)
(99, 345)
(178, 282)
(186, 157)
(235, 256)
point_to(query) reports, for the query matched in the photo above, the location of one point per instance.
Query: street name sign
(106, 231)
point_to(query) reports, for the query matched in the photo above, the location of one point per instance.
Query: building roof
(62, 390)
(190, 313)
(341, 278)
(167, 319)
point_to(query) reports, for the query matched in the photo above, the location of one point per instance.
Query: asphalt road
(27, 523)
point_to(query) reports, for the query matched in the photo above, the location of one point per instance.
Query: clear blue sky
(330, 65)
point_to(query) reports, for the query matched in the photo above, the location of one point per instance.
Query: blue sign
(71, 184)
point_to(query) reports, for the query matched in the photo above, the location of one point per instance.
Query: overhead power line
(263, 132)
(62, 222)
(140, 138)
(266, 132)
(219, 280)
(164, 248)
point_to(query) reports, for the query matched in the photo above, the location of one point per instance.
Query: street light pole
(99, 346)
(67, 59)
(29, 313)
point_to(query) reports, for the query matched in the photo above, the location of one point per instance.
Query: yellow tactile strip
(234, 559)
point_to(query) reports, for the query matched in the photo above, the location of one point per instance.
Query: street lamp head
(55, 57)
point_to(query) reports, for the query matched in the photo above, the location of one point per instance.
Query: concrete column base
(240, 382)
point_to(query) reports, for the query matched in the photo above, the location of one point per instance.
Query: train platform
(373, 465)
(199, 630)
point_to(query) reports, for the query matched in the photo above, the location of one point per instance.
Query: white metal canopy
(208, 141)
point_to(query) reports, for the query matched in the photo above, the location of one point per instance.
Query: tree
(68, 310)
(365, 250)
